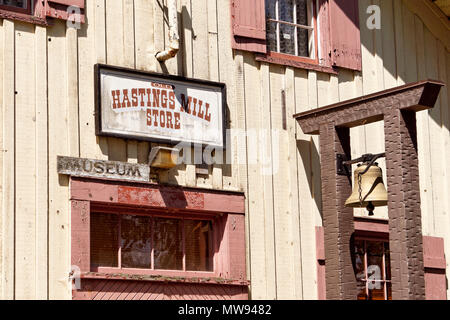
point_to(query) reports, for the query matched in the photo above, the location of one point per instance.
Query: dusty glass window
(104, 240)
(14, 3)
(135, 242)
(198, 245)
(154, 243)
(290, 27)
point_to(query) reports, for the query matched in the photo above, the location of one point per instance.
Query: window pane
(389, 290)
(198, 245)
(287, 39)
(388, 260)
(104, 240)
(135, 242)
(302, 12)
(271, 9)
(375, 260)
(272, 36)
(167, 241)
(286, 10)
(14, 3)
(303, 36)
(361, 288)
(377, 292)
(359, 260)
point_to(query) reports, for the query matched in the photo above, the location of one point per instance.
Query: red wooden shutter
(434, 263)
(320, 256)
(324, 30)
(59, 9)
(248, 21)
(345, 36)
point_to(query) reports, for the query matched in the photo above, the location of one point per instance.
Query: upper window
(291, 27)
(318, 35)
(151, 242)
(22, 6)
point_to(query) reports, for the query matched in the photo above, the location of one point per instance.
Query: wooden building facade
(270, 192)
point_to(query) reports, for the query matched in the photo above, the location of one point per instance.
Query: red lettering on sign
(116, 98)
(200, 112)
(172, 100)
(149, 117)
(134, 97)
(164, 99)
(156, 93)
(186, 104)
(126, 101)
(142, 95)
(207, 113)
(177, 121)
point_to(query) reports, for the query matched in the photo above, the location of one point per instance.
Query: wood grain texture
(56, 117)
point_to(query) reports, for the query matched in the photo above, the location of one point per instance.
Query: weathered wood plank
(58, 141)
(8, 150)
(41, 164)
(2, 30)
(305, 155)
(256, 245)
(423, 140)
(25, 158)
(115, 55)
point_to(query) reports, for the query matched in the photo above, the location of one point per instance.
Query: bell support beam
(337, 219)
(397, 106)
(405, 219)
(371, 108)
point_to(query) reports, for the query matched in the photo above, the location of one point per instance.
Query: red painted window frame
(27, 11)
(135, 211)
(88, 195)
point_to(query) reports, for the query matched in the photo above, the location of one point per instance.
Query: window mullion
(119, 255)
(295, 28)
(152, 243)
(365, 270)
(183, 240)
(277, 16)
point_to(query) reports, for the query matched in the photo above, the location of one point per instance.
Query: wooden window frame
(284, 56)
(303, 62)
(34, 15)
(226, 208)
(152, 271)
(384, 281)
(27, 11)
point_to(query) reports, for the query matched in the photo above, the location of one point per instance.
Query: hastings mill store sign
(160, 108)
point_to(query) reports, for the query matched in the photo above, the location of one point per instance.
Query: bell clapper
(370, 207)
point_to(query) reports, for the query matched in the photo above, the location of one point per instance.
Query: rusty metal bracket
(342, 169)
(344, 164)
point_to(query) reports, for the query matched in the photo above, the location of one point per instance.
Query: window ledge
(160, 278)
(5, 14)
(295, 64)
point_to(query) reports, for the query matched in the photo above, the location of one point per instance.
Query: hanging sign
(101, 169)
(161, 108)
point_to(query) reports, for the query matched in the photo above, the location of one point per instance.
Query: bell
(368, 190)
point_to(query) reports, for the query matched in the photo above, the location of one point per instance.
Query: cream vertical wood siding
(47, 109)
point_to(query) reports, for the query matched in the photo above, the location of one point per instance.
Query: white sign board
(160, 108)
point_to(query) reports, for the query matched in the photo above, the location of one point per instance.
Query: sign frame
(142, 74)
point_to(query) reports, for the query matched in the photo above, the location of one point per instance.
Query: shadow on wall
(396, 43)
(310, 155)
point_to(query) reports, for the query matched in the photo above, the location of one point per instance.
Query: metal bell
(368, 190)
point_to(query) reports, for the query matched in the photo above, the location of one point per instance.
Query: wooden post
(337, 219)
(405, 220)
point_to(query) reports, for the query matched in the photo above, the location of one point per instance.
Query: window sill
(162, 278)
(295, 64)
(23, 17)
